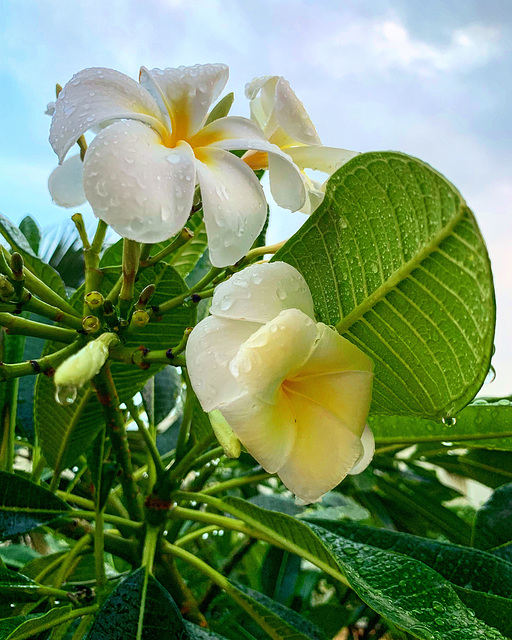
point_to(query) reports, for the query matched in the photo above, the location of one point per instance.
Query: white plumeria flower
(285, 123)
(295, 392)
(140, 170)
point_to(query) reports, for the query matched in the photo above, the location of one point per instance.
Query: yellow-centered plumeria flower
(295, 392)
(285, 123)
(141, 169)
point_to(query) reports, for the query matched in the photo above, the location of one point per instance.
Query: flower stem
(178, 470)
(93, 274)
(144, 359)
(235, 483)
(182, 238)
(107, 395)
(21, 326)
(42, 365)
(107, 517)
(131, 257)
(175, 302)
(197, 533)
(146, 436)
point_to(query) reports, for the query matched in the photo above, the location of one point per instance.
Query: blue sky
(428, 78)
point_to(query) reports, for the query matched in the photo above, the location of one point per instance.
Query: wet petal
(211, 346)
(93, 96)
(187, 93)
(266, 431)
(334, 353)
(66, 183)
(260, 292)
(326, 159)
(234, 204)
(346, 395)
(368, 442)
(286, 181)
(228, 128)
(292, 116)
(276, 351)
(325, 451)
(141, 188)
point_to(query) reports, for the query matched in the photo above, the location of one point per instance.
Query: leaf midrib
(402, 273)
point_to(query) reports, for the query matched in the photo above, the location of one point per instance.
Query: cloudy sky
(431, 79)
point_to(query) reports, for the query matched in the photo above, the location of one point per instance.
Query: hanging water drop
(65, 395)
(491, 375)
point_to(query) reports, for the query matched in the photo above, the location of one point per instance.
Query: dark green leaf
(493, 523)
(197, 633)
(28, 627)
(139, 608)
(188, 256)
(25, 505)
(15, 587)
(395, 259)
(29, 228)
(17, 555)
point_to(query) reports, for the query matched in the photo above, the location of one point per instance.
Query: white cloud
(385, 44)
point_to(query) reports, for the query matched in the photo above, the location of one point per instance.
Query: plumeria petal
(325, 451)
(93, 96)
(143, 189)
(267, 431)
(346, 395)
(187, 92)
(368, 442)
(66, 183)
(260, 91)
(334, 353)
(260, 292)
(319, 158)
(228, 128)
(234, 204)
(212, 345)
(292, 116)
(275, 352)
(286, 181)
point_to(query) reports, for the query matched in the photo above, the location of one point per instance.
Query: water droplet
(65, 395)
(491, 375)
(174, 158)
(437, 606)
(351, 551)
(449, 421)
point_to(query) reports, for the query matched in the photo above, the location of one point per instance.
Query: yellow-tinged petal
(334, 353)
(276, 351)
(97, 95)
(187, 93)
(292, 116)
(66, 183)
(319, 158)
(211, 346)
(325, 451)
(141, 188)
(267, 431)
(260, 292)
(368, 442)
(346, 395)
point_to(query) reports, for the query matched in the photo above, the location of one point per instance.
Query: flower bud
(224, 434)
(6, 289)
(91, 324)
(17, 266)
(145, 296)
(140, 318)
(81, 367)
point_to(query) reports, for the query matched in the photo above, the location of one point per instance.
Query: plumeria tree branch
(21, 326)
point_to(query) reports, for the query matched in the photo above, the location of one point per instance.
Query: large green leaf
(139, 608)
(186, 258)
(482, 424)
(65, 432)
(493, 522)
(394, 258)
(15, 587)
(32, 232)
(28, 627)
(19, 243)
(404, 590)
(25, 505)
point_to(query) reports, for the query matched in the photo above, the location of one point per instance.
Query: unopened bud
(17, 266)
(224, 434)
(94, 299)
(140, 318)
(91, 324)
(81, 367)
(6, 289)
(145, 296)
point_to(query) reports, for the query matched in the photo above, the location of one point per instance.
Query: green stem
(71, 497)
(9, 413)
(42, 365)
(258, 252)
(67, 564)
(184, 236)
(99, 540)
(131, 256)
(21, 326)
(204, 282)
(150, 545)
(146, 436)
(28, 302)
(143, 359)
(107, 517)
(234, 483)
(186, 422)
(93, 274)
(193, 535)
(188, 461)
(218, 452)
(82, 627)
(109, 400)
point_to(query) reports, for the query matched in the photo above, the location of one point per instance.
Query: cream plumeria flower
(285, 123)
(295, 392)
(141, 169)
